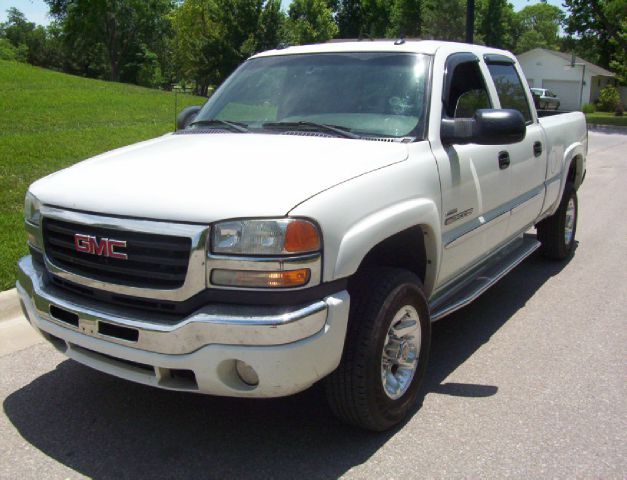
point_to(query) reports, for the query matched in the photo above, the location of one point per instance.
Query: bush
(619, 110)
(609, 99)
(7, 51)
(589, 108)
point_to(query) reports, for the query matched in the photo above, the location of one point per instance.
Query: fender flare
(574, 153)
(371, 230)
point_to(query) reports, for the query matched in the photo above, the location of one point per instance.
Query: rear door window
(509, 88)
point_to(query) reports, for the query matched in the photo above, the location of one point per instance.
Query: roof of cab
(428, 47)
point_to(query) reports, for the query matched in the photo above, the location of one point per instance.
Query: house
(553, 70)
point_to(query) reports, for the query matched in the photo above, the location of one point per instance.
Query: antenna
(175, 87)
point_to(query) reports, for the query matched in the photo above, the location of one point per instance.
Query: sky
(37, 10)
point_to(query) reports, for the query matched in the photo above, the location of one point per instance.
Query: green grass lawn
(50, 120)
(604, 118)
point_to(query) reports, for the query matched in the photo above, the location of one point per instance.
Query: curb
(607, 128)
(9, 305)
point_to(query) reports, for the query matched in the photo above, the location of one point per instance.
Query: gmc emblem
(105, 247)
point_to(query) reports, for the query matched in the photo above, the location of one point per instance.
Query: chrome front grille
(154, 260)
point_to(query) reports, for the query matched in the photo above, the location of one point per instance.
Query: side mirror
(487, 127)
(187, 116)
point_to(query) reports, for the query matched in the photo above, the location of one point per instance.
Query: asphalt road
(528, 382)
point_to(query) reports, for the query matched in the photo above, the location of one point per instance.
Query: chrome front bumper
(289, 347)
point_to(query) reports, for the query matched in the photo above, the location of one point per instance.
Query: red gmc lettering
(90, 244)
(99, 248)
(82, 244)
(112, 253)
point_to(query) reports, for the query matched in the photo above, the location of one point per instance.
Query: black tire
(355, 390)
(552, 230)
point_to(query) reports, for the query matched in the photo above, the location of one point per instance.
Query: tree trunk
(115, 71)
(112, 47)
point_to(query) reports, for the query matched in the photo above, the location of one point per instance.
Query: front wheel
(385, 353)
(557, 232)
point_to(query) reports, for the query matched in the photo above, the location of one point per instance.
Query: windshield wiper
(237, 126)
(313, 125)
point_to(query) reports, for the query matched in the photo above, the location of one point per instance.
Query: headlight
(265, 237)
(290, 248)
(32, 207)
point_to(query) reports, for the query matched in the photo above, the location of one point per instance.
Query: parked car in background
(545, 99)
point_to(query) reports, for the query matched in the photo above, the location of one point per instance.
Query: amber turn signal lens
(257, 279)
(301, 236)
(291, 278)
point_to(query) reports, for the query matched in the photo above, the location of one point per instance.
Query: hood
(209, 177)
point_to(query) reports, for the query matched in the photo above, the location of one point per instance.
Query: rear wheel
(385, 353)
(557, 232)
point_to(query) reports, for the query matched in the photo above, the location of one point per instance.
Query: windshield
(381, 94)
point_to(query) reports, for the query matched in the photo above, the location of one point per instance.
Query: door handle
(537, 149)
(503, 160)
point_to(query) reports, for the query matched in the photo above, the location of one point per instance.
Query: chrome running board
(482, 278)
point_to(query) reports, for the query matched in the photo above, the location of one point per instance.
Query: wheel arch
(574, 165)
(576, 171)
(402, 236)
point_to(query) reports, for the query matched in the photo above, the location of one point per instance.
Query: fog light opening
(247, 373)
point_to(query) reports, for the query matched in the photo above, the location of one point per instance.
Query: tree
(310, 21)
(375, 18)
(31, 43)
(366, 18)
(601, 26)
(406, 19)
(495, 23)
(444, 19)
(125, 31)
(196, 43)
(26, 38)
(271, 25)
(17, 28)
(7, 50)
(531, 39)
(609, 99)
(618, 65)
(538, 26)
(349, 18)
(212, 37)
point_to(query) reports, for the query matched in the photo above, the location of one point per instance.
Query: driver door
(473, 181)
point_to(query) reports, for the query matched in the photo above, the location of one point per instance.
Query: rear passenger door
(528, 159)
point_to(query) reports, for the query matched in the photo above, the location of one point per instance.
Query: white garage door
(567, 91)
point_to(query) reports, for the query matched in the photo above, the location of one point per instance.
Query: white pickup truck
(309, 222)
